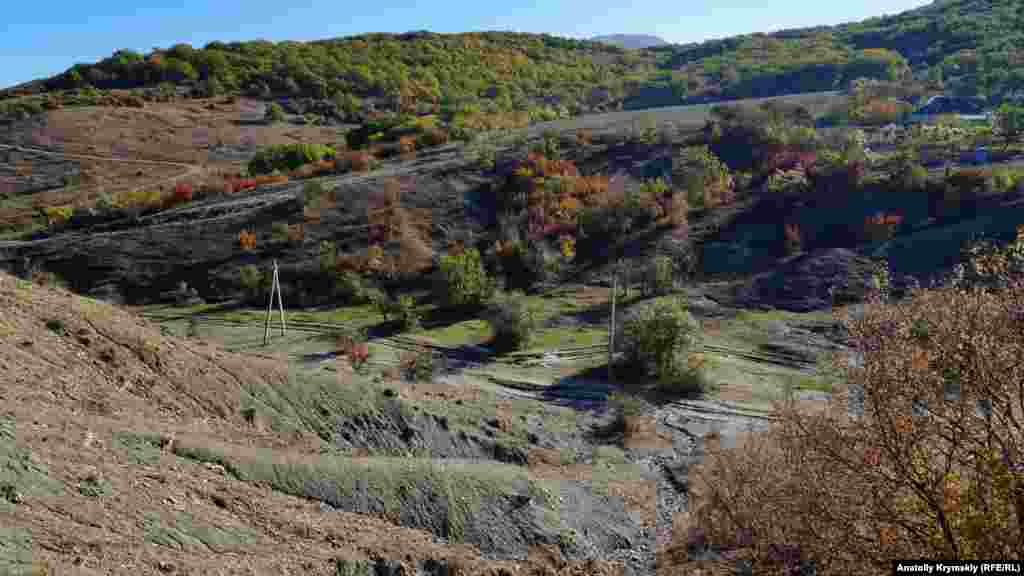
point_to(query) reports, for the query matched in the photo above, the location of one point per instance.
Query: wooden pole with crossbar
(275, 286)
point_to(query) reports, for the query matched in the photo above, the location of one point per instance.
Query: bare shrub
(919, 453)
(418, 365)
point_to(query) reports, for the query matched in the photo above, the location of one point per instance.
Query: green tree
(274, 113)
(1008, 124)
(658, 276)
(463, 281)
(513, 321)
(657, 339)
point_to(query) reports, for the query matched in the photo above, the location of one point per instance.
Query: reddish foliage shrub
(358, 160)
(779, 157)
(793, 240)
(543, 167)
(182, 194)
(355, 349)
(238, 184)
(881, 226)
(559, 229)
(878, 112)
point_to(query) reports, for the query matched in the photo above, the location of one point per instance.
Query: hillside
(126, 449)
(500, 79)
(525, 324)
(965, 46)
(632, 41)
(540, 76)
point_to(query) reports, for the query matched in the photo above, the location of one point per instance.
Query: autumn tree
(704, 176)
(405, 231)
(918, 453)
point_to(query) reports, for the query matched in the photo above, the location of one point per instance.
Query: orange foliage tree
(407, 146)
(247, 240)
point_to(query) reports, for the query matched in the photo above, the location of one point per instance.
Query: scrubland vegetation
(917, 454)
(515, 250)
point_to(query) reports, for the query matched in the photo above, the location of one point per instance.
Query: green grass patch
(470, 416)
(609, 456)
(363, 314)
(16, 553)
(461, 333)
(93, 486)
(759, 316)
(550, 338)
(352, 567)
(18, 232)
(810, 383)
(311, 401)
(447, 497)
(20, 475)
(183, 531)
(142, 448)
(765, 380)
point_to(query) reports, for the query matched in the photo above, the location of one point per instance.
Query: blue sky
(42, 40)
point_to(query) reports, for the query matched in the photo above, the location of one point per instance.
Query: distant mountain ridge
(632, 41)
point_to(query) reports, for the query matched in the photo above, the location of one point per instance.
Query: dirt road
(189, 169)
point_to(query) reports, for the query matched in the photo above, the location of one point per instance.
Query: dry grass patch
(453, 499)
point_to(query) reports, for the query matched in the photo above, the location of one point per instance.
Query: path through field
(189, 169)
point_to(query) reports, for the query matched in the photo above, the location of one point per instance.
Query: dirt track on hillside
(189, 169)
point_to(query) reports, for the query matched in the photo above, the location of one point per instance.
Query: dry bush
(391, 222)
(296, 233)
(263, 179)
(407, 147)
(676, 210)
(311, 214)
(919, 454)
(353, 346)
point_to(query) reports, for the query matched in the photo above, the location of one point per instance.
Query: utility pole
(275, 286)
(611, 327)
